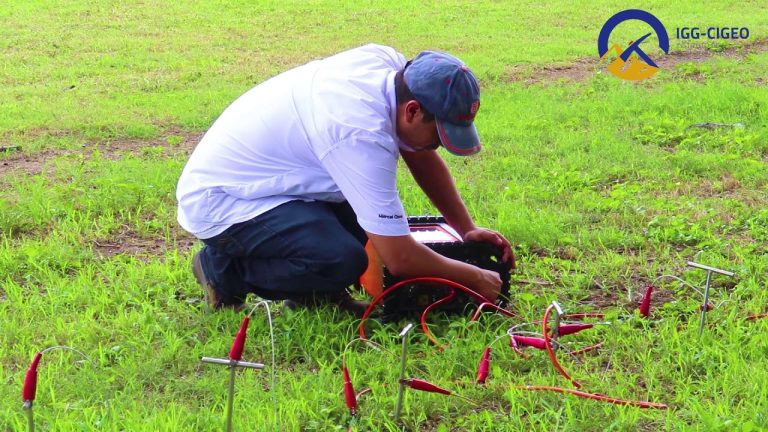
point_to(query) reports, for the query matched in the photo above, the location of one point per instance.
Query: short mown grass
(602, 185)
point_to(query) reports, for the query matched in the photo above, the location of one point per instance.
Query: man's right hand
(488, 284)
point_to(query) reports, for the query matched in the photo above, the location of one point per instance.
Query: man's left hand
(489, 236)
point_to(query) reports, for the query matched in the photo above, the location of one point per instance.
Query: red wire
(424, 327)
(553, 358)
(378, 299)
(513, 344)
(584, 315)
(550, 351)
(476, 315)
(597, 397)
(485, 303)
(587, 349)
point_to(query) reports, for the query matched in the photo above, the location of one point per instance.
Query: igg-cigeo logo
(632, 62)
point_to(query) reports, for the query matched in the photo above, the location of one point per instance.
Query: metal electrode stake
(709, 270)
(232, 365)
(705, 304)
(29, 389)
(231, 397)
(30, 419)
(401, 391)
(556, 328)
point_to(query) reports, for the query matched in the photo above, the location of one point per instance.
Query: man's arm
(433, 177)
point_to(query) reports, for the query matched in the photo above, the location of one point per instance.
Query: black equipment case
(433, 232)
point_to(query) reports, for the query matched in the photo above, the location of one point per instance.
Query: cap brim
(459, 140)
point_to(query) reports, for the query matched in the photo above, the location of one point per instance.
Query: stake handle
(228, 362)
(710, 269)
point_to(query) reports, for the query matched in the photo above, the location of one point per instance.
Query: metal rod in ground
(558, 315)
(706, 302)
(233, 365)
(231, 400)
(30, 417)
(709, 270)
(401, 390)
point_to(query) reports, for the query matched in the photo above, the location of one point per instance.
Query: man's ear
(412, 108)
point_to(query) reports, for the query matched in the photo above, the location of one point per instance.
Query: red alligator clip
(566, 329)
(645, 303)
(30, 380)
(482, 370)
(236, 352)
(349, 392)
(534, 342)
(419, 384)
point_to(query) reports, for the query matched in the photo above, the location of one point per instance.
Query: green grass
(602, 185)
(105, 69)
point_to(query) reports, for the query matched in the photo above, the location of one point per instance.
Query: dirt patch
(566, 253)
(582, 69)
(172, 142)
(602, 297)
(30, 164)
(727, 187)
(578, 70)
(128, 242)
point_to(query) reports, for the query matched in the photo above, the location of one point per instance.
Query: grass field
(602, 185)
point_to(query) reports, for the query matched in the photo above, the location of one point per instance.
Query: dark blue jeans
(294, 250)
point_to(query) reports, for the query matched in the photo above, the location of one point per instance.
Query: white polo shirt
(324, 131)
